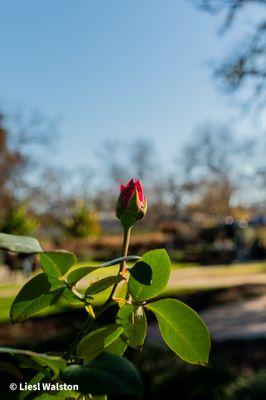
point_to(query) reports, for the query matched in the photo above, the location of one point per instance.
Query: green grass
(179, 265)
(223, 270)
(9, 290)
(5, 304)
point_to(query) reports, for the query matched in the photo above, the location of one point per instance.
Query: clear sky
(114, 69)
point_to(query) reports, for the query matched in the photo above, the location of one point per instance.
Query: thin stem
(119, 260)
(110, 263)
(86, 327)
(126, 239)
(75, 292)
(109, 302)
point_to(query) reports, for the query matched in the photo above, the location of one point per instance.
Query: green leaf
(57, 263)
(78, 273)
(56, 395)
(159, 262)
(54, 363)
(134, 323)
(35, 379)
(103, 284)
(55, 283)
(83, 396)
(182, 330)
(141, 272)
(38, 293)
(117, 347)
(28, 363)
(99, 397)
(121, 292)
(107, 374)
(19, 244)
(97, 340)
(72, 299)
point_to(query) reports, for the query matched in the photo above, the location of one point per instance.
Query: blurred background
(170, 92)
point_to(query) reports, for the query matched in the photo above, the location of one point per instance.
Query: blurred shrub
(82, 222)
(252, 387)
(206, 254)
(166, 377)
(109, 245)
(18, 222)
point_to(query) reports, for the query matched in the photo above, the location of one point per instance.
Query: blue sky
(114, 69)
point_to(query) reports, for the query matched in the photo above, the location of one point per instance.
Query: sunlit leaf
(121, 292)
(134, 323)
(72, 300)
(103, 284)
(36, 295)
(57, 263)
(97, 340)
(160, 265)
(117, 347)
(78, 273)
(182, 330)
(19, 244)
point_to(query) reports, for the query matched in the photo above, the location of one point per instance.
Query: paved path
(210, 278)
(245, 320)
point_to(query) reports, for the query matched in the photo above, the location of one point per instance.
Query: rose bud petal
(131, 204)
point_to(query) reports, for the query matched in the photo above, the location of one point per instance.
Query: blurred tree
(246, 68)
(129, 159)
(229, 7)
(215, 199)
(82, 221)
(112, 155)
(12, 163)
(18, 221)
(142, 158)
(173, 192)
(213, 169)
(20, 140)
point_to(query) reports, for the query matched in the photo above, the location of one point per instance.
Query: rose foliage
(94, 360)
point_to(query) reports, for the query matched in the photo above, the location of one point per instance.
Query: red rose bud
(131, 205)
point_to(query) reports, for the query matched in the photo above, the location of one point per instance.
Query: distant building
(109, 223)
